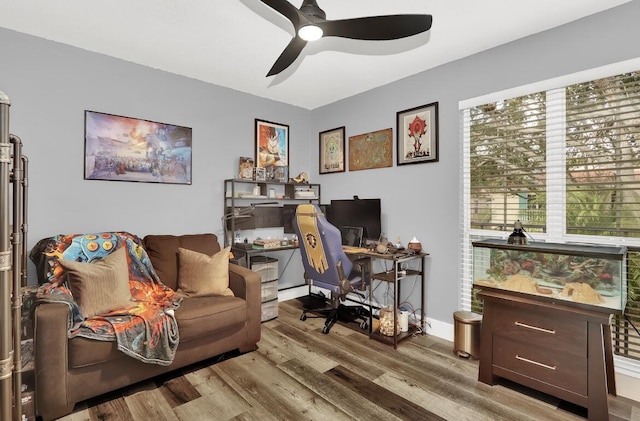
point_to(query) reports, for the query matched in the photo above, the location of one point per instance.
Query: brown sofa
(72, 370)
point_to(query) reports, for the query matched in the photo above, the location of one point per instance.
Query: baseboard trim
(293, 293)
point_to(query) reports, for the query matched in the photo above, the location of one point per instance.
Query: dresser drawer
(269, 310)
(269, 290)
(268, 270)
(564, 334)
(544, 364)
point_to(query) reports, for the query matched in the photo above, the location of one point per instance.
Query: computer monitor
(363, 213)
(351, 236)
(289, 216)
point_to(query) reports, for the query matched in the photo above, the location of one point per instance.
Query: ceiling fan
(311, 24)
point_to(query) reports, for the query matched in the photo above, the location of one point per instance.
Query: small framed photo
(259, 174)
(245, 168)
(417, 132)
(281, 174)
(272, 146)
(332, 151)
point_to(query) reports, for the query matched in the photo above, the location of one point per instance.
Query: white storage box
(269, 291)
(267, 267)
(269, 310)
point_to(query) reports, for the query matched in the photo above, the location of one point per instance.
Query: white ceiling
(234, 43)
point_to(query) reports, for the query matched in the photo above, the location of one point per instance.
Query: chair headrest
(308, 209)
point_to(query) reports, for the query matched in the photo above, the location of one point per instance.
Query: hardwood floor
(298, 373)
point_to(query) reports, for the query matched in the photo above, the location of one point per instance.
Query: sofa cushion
(84, 352)
(197, 317)
(163, 252)
(100, 286)
(202, 316)
(201, 275)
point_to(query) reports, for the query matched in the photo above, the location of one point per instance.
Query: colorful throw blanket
(147, 331)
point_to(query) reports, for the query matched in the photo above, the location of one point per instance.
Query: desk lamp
(517, 236)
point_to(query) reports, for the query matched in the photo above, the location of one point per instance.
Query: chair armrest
(51, 359)
(246, 284)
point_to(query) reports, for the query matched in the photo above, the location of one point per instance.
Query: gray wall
(50, 86)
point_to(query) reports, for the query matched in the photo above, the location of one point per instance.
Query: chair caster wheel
(325, 329)
(303, 317)
(364, 325)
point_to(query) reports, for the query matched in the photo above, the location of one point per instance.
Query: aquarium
(584, 275)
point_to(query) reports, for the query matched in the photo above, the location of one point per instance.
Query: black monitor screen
(363, 213)
(289, 216)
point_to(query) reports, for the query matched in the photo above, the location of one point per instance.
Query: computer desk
(395, 276)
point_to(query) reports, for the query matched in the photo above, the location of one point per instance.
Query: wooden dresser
(561, 350)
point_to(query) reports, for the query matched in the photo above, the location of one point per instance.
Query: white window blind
(603, 157)
(508, 163)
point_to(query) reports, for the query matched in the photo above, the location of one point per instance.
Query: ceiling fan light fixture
(310, 23)
(310, 32)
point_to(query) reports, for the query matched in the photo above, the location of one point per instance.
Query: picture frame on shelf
(271, 146)
(332, 151)
(119, 148)
(281, 174)
(417, 135)
(245, 168)
(259, 174)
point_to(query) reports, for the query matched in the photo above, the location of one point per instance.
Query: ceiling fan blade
(286, 9)
(377, 28)
(288, 56)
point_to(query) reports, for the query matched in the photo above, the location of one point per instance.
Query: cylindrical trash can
(466, 334)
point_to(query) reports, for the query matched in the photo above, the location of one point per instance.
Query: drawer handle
(526, 360)
(539, 329)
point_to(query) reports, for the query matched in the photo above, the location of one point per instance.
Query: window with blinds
(603, 157)
(508, 162)
(626, 338)
(566, 163)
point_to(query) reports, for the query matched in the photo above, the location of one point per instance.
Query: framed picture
(245, 168)
(118, 148)
(332, 151)
(259, 174)
(281, 174)
(417, 132)
(272, 146)
(371, 150)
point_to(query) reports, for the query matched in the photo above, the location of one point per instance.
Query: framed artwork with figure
(332, 151)
(272, 147)
(417, 132)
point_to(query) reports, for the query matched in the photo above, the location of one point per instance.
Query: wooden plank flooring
(298, 373)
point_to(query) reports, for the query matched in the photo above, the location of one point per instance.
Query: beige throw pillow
(200, 275)
(100, 286)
